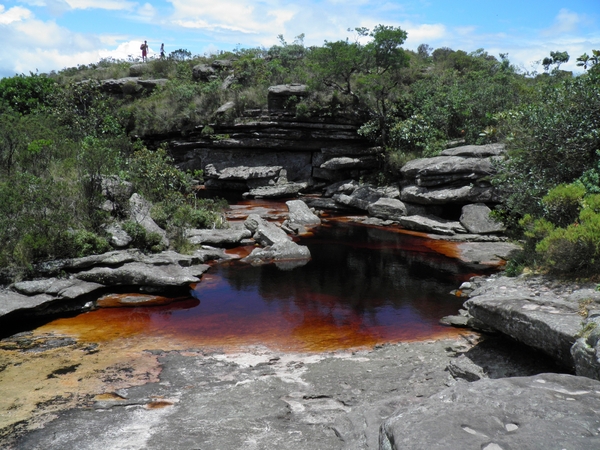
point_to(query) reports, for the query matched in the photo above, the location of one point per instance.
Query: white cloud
(114, 5)
(423, 34)
(14, 14)
(258, 17)
(146, 11)
(565, 22)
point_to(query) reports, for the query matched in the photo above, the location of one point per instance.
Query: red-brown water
(363, 286)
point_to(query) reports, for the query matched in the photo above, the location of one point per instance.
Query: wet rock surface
(254, 399)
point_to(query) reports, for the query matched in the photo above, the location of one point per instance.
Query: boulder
(448, 195)
(118, 236)
(139, 211)
(278, 245)
(387, 209)
(280, 251)
(488, 253)
(440, 170)
(218, 237)
(544, 322)
(265, 233)
(360, 198)
(140, 274)
(277, 191)
(476, 219)
(204, 72)
(243, 173)
(476, 151)
(586, 350)
(137, 70)
(348, 163)
(300, 214)
(224, 108)
(283, 98)
(543, 411)
(430, 224)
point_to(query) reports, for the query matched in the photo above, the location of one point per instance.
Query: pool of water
(363, 286)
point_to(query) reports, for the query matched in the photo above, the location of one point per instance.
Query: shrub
(140, 238)
(562, 203)
(84, 243)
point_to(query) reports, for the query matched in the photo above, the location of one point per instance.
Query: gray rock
(544, 411)
(277, 191)
(56, 287)
(360, 198)
(218, 237)
(139, 211)
(348, 163)
(586, 350)
(279, 251)
(544, 325)
(476, 151)
(224, 108)
(265, 233)
(244, 173)
(114, 188)
(137, 70)
(429, 224)
(300, 214)
(203, 72)
(387, 209)
(279, 96)
(341, 187)
(487, 253)
(11, 301)
(118, 236)
(464, 368)
(441, 196)
(139, 274)
(476, 219)
(441, 170)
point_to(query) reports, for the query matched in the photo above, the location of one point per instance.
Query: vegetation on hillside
(61, 135)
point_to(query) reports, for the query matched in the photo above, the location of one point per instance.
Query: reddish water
(363, 286)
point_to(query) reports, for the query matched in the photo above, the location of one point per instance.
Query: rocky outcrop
(85, 279)
(458, 175)
(543, 314)
(543, 411)
(282, 99)
(132, 86)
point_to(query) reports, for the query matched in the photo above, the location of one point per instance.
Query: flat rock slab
(442, 196)
(218, 237)
(547, 411)
(486, 253)
(430, 224)
(532, 311)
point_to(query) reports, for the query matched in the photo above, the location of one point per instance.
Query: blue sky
(47, 35)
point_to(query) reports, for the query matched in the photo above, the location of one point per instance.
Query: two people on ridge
(144, 49)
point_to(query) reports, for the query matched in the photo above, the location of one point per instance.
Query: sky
(45, 35)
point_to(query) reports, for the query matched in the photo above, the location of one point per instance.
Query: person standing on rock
(162, 51)
(144, 49)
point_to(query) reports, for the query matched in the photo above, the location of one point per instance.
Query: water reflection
(362, 286)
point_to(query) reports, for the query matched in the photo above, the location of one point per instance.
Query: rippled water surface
(363, 286)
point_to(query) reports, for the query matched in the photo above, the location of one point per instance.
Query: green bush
(140, 238)
(85, 243)
(562, 203)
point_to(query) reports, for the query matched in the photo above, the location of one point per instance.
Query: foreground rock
(256, 399)
(544, 411)
(544, 314)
